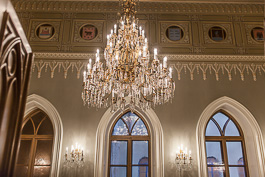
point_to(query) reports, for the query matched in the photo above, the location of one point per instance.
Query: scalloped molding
(252, 133)
(86, 56)
(144, 7)
(37, 102)
(204, 65)
(102, 141)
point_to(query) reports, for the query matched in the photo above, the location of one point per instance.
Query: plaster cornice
(144, 7)
(173, 58)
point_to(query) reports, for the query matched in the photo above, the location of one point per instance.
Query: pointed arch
(102, 141)
(251, 130)
(35, 102)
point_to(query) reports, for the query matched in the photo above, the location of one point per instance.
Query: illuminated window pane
(130, 118)
(140, 129)
(221, 119)
(212, 129)
(118, 153)
(118, 171)
(140, 152)
(213, 150)
(231, 129)
(140, 171)
(216, 171)
(237, 171)
(234, 152)
(120, 128)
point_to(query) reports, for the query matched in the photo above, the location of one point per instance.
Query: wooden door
(15, 66)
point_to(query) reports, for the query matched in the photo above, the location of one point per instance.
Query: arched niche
(35, 102)
(102, 141)
(252, 133)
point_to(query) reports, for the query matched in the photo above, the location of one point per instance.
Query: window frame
(223, 139)
(129, 138)
(34, 141)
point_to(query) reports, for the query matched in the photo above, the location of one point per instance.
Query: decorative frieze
(204, 65)
(144, 7)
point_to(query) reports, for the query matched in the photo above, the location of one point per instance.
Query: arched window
(36, 144)
(129, 147)
(225, 147)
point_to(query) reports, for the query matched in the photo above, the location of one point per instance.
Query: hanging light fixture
(128, 70)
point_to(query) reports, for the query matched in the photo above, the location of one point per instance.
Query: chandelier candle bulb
(108, 39)
(165, 62)
(155, 53)
(170, 72)
(84, 80)
(122, 25)
(115, 28)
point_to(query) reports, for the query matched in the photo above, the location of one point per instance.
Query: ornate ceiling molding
(172, 58)
(204, 69)
(145, 7)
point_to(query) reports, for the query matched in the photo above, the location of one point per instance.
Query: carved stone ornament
(35, 24)
(226, 26)
(78, 24)
(230, 66)
(248, 29)
(185, 26)
(15, 67)
(144, 7)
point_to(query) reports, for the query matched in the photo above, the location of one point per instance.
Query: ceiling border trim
(172, 58)
(199, 69)
(145, 7)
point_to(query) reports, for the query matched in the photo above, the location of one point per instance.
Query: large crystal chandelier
(128, 75)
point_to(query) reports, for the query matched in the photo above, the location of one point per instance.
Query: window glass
(129, 153)
(120, 128)
(130, 118)
(118, 171)
(139, 152)
(234, 152)
(237, 171)
(139, 171)
(139, 129)
(212, 129)
(34, 147)
(231, 129)
(221, 119)
(43, 152)
(213, 150)
(41, 171)
(37, 118)
(24, 152)
(118, 153)
(21, 171)
(225, 153)
(45, 128)
(28, 128)
(216, 171)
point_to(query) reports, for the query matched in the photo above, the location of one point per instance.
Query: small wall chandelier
(128, 70)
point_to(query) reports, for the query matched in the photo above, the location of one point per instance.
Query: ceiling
(183, 1)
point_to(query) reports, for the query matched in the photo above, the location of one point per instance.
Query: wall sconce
(183, 159)
(75, 156)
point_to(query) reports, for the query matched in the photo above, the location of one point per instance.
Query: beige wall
(179, 119)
